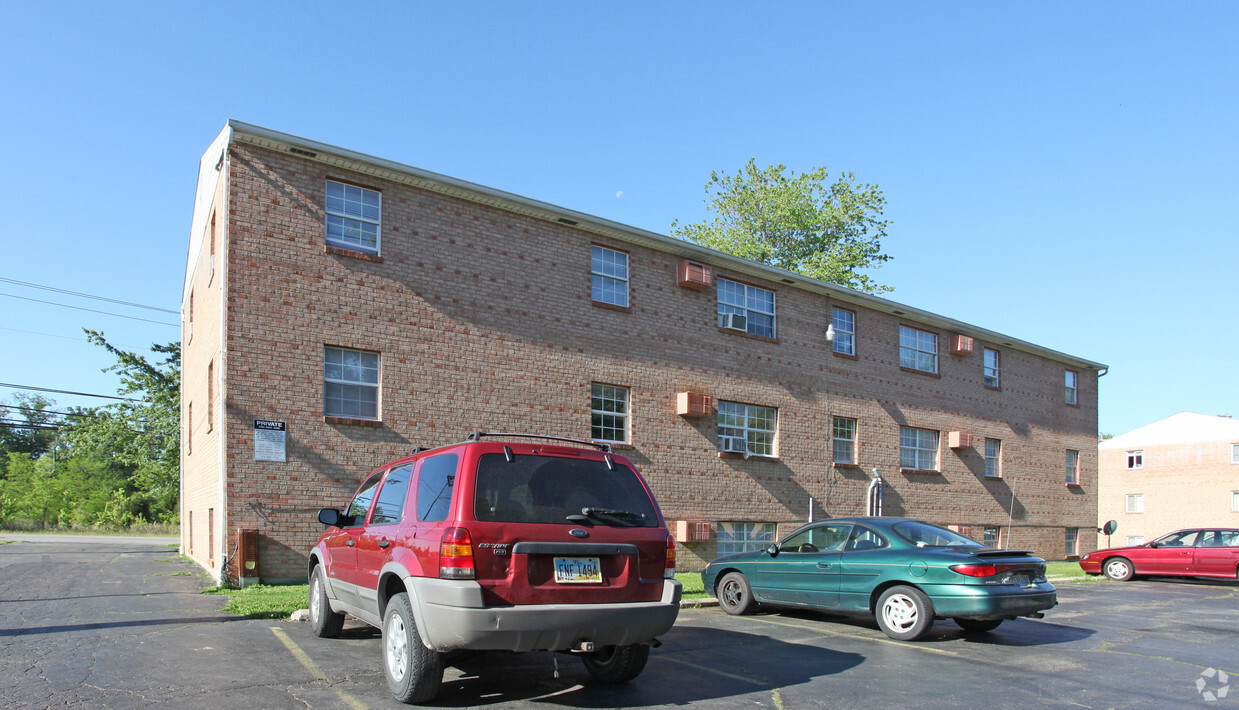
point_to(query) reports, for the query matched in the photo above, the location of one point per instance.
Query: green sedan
(904, 572)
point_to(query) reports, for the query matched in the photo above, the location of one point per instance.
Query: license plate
(1018, 579)
(578, 570)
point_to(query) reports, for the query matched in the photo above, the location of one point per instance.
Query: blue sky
(1061, 172)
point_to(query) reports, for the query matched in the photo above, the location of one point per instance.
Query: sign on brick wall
(270, 440)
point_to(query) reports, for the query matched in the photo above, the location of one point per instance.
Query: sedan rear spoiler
(1004, 553)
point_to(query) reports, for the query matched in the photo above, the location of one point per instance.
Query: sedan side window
(865, 539)
(360, 504)
(1184, 538)
(819, 538)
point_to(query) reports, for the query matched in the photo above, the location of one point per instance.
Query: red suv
(550, 544)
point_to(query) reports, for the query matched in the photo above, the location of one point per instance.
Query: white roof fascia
(210, 168)
(408, 175)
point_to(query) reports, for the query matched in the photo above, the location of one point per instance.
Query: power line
(88, 295)
(91, 310)
(79, 394)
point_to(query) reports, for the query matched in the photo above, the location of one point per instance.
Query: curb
(698, 603)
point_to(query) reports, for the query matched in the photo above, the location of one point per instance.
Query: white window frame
(756, 425)
(732, 537)
(844, 323)
(918, 349)
(992, 373)
(748, 301)
(357, 378)
(1135, 459)
(843, 448)
(918, 443)
(1234, 501)
(1133, 540)
(608, 410)
(993, 458)
(994, 532)
(353, 216)
(1135, 503)
(1073, 467)
(1071, 541)
(1071, 382)
(608, 269)
(1234, 453)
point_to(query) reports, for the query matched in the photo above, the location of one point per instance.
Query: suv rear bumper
(451, 616)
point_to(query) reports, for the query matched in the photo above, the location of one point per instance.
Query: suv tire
(413, 671)
(617, 664)
(324, 622)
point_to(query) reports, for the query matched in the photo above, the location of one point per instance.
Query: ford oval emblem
(578, 532)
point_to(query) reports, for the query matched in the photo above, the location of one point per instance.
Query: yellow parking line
(313, 668)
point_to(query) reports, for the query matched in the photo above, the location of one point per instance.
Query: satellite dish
(1110, 527)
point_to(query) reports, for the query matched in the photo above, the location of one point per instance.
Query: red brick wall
(483, 319)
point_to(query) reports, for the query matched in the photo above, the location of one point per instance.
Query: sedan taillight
(981, 570)
(456, 554)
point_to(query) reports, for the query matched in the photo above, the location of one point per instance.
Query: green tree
(27, 426)
(802, 223)
(142, 433)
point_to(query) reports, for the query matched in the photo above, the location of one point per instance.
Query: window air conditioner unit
(734, 445)
(961, 344)
(692, 274)
(691, 530)
(735, 321)
(691, 404)
(959, 440)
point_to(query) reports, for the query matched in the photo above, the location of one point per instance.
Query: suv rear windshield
(549, 489)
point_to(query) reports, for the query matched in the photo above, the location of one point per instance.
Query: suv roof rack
(476, 435)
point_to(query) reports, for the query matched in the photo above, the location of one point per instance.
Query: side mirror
(331, 518)
(1154, 545)
(1110, 527)
(773, 550)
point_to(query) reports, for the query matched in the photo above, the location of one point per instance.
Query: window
(825, 537)
(189, 428)
(1234, 453)
(389, 507)
(754, 305)
(609, 414)
(360, 505)
(1133, 540)
(1135, 502)
(844, 437)
(991, 369)
(993, 458)
(991, 536)
(918, 449)
(746, 428)
(744, 537)
(1073, 467)
(1073, 391)
(609, 273)
(435, 479)
(551, 490)
(844, 322)
(1135, 460)
(211, 274)
(1072, 546)
(918, 350)
(353, 217)
(350, 383)
(1234, 501)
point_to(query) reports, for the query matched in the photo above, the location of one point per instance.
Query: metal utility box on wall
(247, 557)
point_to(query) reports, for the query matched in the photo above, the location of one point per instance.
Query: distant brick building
(341, 309)
(1179, 472)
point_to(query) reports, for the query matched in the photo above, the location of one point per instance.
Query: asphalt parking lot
(111, 622)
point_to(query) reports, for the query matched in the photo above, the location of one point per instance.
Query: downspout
(874, 507)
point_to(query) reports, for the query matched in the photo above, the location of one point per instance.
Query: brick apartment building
(1179, 472)
(341, 309)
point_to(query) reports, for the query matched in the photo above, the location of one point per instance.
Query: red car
(1196, 552)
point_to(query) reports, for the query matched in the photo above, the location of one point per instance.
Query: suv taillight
(456, 554)
(669, 569)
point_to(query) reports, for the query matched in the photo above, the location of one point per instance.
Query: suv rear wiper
(610, 513)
